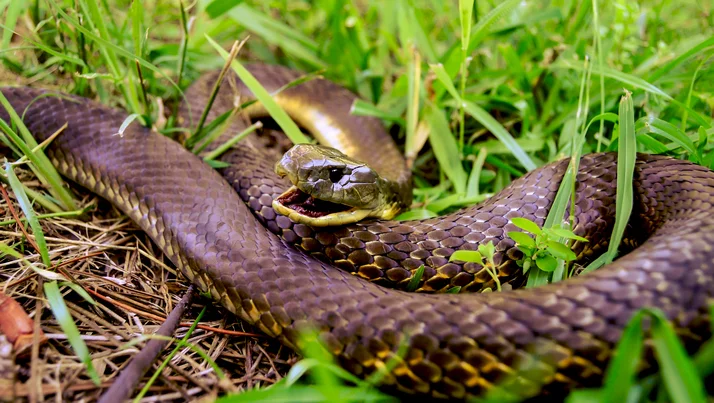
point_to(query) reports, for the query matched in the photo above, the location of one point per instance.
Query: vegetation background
(476, 92)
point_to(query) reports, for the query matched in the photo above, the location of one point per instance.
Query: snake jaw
(305, 209)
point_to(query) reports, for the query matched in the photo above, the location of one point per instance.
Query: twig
(131, 375)
(149, 315)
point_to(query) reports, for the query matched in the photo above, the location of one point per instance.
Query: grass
(477, 92)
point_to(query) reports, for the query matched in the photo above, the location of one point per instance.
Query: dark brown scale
(457, 345)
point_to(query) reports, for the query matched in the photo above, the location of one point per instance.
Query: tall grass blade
(634, 82)
(276, 112)
(445, 148)
(277, 33)
(485, 119)
(41, 165)
(64, 318)
(26, 207)
(12, 13)
(414, 76)
(626, 155)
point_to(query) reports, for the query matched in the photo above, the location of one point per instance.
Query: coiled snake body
(545, 340)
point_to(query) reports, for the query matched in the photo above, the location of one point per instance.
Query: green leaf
(527, 225)
(467, 256)
(488, 250)
(566, 233)
(522, 239)
(454, 290)
(416, 214)
(561, 251)
(216, 8)
(546, 262)
(416, 278)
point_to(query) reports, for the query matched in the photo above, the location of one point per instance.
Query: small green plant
(542, 248)
(485, 250)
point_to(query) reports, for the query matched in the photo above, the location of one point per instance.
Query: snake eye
(335, 175)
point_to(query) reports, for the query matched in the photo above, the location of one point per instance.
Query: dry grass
(135, 287)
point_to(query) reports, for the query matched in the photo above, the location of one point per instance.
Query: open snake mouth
(306, 205)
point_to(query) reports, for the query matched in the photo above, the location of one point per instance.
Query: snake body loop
(543, 341)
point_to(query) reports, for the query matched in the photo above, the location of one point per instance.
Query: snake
(346, 282)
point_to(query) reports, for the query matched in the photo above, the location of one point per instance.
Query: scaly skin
(538, 341)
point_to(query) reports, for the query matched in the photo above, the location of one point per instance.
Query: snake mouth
(303, 208)
(302, 203)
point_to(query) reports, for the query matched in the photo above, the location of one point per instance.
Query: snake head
(330, 188)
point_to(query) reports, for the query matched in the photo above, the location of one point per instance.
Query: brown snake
(544, 341)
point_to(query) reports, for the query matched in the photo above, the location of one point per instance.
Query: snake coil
(543, 341)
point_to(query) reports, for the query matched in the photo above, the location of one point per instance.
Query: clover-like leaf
(527, 225)
(561, 251)
(522, 239)
(546, 262)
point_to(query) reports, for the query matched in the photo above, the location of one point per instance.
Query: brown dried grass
(134, 287)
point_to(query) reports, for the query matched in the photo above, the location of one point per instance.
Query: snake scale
(541, 341)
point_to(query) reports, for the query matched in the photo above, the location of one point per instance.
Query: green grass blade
(626, 155)
(411, 32)
(96, 20)
(472, 188)
(105, 43)
(485, 119)
(232, 141)
(277, 33)
(276, 112)
(415, 279)
(478, 33)
(363, 108)
(7, 250)
(12, 13)
(601, 64)
(26, 207)
(64, 318)
(41, 165)
(501, 134)
(413, 96)
(677, 370)
(39, 198)
(171, 355)
(662, 71)
(137, 21)
(620, 374)
(634, 82)
(670, 132)
(445, 148)
(183, 48)
(466, 8)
